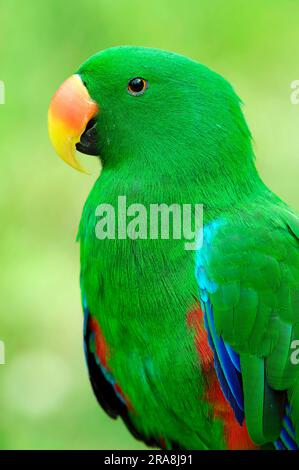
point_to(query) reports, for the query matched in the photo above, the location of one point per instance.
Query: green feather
(263, 407)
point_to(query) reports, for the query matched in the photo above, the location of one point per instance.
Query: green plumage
(185, 141)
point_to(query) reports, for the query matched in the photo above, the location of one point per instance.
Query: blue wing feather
(228, 375)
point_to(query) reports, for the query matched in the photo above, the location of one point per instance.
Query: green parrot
(194, 349)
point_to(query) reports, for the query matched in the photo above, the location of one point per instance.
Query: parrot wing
(104, 385)
(103, 388)
(248, 276)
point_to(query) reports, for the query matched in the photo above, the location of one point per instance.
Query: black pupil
(136, 84)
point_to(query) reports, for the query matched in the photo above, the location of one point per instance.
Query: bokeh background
(45, 398)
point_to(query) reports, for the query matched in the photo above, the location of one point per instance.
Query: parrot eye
(137, 86)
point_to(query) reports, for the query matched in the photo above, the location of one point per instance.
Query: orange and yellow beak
(70, 111)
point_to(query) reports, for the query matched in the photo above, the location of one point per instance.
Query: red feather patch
(103, 354)
(102, 348)
(237, 437)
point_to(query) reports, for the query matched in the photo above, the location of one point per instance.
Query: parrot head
(154, 109)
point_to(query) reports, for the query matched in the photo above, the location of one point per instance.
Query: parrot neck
(190, 179)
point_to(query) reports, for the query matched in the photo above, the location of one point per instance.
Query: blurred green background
(45, 398)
